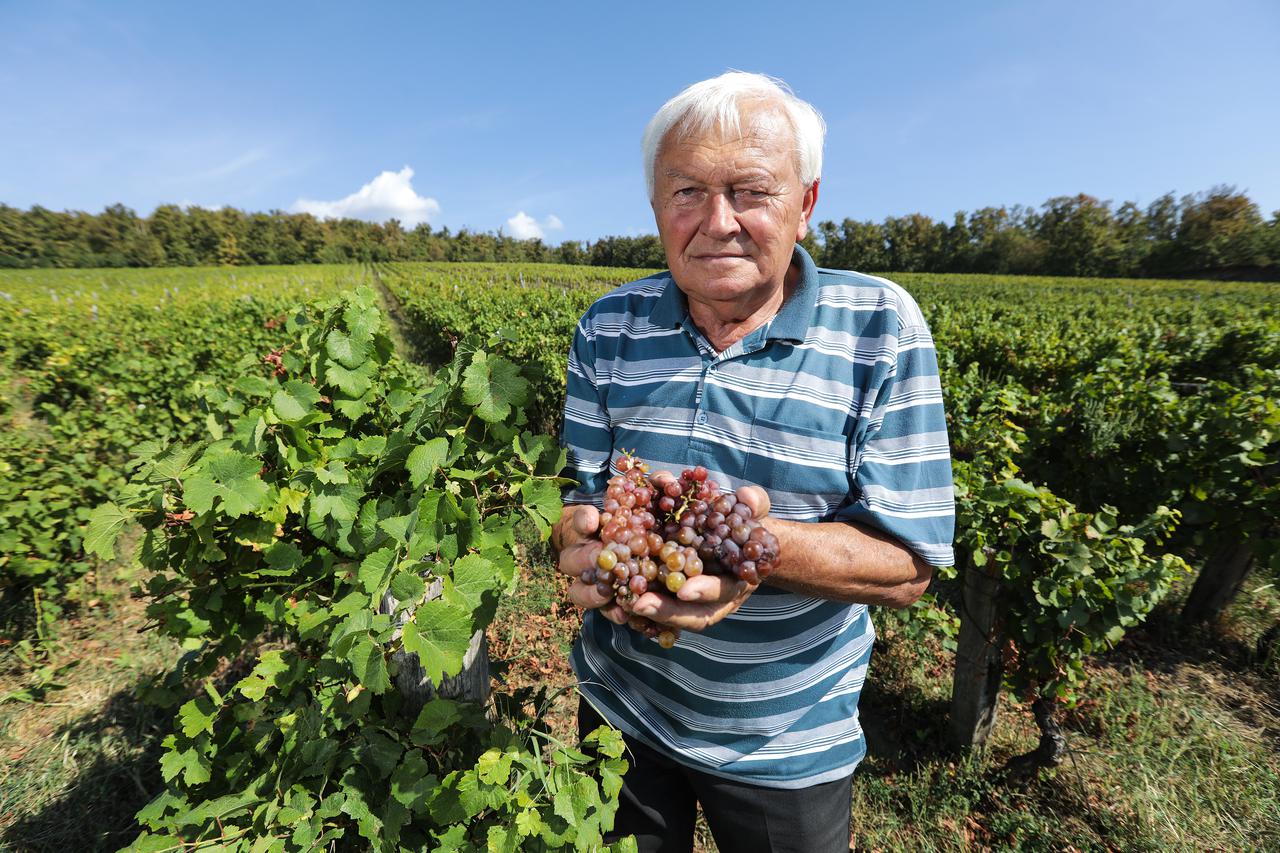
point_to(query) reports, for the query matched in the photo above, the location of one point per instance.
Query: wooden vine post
(1218, 583)
(979, 668)
(469, 685)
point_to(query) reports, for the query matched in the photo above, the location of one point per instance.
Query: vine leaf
(542, 502)
(353, 383)
(341, 348)
(369, 665)
(375, 571)
(105, 524)
(295, 403)
(425, 459)
(493, 386)
(194, 767)
(439, 634)
(197, 716)
(362, 321)
(412, 784)
(254, 685)
(473, 577)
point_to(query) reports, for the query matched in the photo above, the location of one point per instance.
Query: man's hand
(575, 539)
(706, 599)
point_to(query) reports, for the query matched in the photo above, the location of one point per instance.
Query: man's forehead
(736, 157)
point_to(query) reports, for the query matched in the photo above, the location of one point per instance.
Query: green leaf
(362, 322)
(148, 843)
(295, 403)
(352, 410)
(425, 538)
(407, 586)
(542, 502)
(494, 766)
(411, 784)
(105, 524)
(358, 804)
(1021, 488)
(352, 383)
(371, 445)
(493, 386)
(343, 349)
(197, 716)
(375, 571)
(472, 577)
(254, 686)
(255, 386)
(425, 459)
(235, 480)
(283, 556)
(398, 527)
(439, 634)
(170, 465)
(369, 665)
(434, 720)
(571, 802)
(380, 754)
(341, 503)
(529, 823)
(194, 767)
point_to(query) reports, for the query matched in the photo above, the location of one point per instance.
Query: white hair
(717, 103)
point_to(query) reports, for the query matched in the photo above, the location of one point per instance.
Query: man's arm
(847, 562)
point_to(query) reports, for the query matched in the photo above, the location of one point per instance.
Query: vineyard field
(1116, 449)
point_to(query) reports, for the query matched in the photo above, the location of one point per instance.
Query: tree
(1079, 236)
(914, 242)
(1220, 230)
(229, 251)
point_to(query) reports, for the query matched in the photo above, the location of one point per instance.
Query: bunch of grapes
(657, 536)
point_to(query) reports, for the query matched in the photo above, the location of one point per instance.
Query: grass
(79, 764)
(1177, 746)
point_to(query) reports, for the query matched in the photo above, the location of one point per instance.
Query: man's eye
(751, 195)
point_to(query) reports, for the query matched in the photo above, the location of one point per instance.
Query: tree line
(1219, 233)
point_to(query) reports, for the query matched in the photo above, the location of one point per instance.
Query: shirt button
(702, 417)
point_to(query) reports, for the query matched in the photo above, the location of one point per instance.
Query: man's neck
(724, 324)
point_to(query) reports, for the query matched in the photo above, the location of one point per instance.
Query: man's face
(729, 209)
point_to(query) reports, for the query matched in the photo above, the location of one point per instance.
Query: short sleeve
(585, 433)
(903, 468)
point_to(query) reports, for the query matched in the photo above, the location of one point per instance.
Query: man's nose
(721, 220)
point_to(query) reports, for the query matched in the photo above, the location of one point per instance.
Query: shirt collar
(790, 323)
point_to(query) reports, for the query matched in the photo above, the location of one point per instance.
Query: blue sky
(528, 116)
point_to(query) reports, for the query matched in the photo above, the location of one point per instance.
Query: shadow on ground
(118, 752)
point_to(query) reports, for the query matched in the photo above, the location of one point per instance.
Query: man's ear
(806, 209)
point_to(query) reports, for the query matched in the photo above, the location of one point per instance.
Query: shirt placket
(711, 360)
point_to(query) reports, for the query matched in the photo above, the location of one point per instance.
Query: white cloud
(522, 226)
(388, 196)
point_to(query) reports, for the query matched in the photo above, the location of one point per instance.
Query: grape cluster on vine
(658, 535)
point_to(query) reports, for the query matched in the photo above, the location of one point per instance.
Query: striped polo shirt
(833, 407)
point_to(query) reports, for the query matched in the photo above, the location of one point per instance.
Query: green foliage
(532, 309)
(91, 363)
(1070, 582)
(275, 541)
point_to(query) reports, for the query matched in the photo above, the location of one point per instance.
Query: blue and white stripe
(835, 408)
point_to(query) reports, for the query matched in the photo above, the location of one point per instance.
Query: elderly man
(819, 388)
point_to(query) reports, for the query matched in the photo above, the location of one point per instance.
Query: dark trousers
(657, 806)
